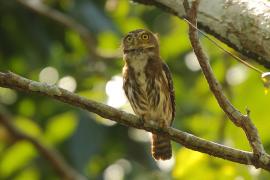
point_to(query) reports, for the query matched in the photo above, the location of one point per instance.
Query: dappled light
(68, 83)
(115, 92)
(192, 62)
(117, 170)
(64, 112)
(139, 135)
(114, 172)
(7, 96)
(49, 75)
(166, 165)
(236, 75)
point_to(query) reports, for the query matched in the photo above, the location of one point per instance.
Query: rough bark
(243, 25)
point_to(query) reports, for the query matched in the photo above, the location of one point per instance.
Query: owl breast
(138, 62)
(146, 90)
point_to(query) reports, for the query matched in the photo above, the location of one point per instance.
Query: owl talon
(141, 121)
(153, 124)
(148, 123)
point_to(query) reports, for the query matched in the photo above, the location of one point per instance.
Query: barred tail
(161, 147)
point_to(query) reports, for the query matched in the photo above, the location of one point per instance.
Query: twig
(68, 22)
(14, 81)
(234, 115)
(61, 167)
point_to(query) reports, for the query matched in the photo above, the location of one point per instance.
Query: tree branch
(13, 81)
(234, 115)
(241, 24)
(61, 18)
(60, 166)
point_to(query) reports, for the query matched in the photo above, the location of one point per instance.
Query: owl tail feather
(161, 147)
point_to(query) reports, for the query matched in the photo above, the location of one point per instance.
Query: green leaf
(27, 126)
(16, 157)
(61, 127)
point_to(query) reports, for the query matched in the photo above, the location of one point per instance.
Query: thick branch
(13, 81)
(241, 24)
(57, 162)
(235, 116)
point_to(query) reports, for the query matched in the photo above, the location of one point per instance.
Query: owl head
(140, 39)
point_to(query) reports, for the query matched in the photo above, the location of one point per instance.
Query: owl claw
(148, 123)
(141, 121)
(151, 124)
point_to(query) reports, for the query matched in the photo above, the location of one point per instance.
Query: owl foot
(161, 125)
(156, 125)
(150, 124)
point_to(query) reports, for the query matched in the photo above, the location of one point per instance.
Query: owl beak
(135, 42)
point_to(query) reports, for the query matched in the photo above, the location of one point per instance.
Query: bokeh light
(236, 75)
(192, 62)
(117, 170)
(139, 135)
(254, 171)
(114, 172)
(115, 92)
(89, 64)
(68, 83)
(48, 75)
(166, 165)
(7, 96)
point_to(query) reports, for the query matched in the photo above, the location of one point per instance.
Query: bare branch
(13, 81)
(228, 91)
(61, 18)
(60, 166)
(234, 115)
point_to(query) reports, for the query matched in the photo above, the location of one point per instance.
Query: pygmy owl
(148, 86)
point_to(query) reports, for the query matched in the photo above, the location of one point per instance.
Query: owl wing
(171, 88)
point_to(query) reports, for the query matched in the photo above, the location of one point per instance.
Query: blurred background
(75, 44)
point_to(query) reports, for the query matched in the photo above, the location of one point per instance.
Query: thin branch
(14, 81)
(61, 18)
(58, 163)
(227, 89)
(234, 115)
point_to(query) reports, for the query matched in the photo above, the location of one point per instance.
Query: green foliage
(99, 148)
(60, 127)
(16, 157)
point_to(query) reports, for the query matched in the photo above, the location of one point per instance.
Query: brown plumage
(148, 86)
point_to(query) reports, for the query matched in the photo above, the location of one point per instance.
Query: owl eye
(128, 39)
(145, 36)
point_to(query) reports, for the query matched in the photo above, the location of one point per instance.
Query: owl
(148, 85)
